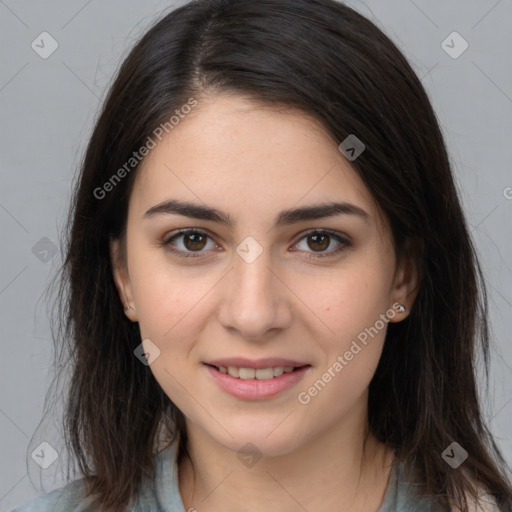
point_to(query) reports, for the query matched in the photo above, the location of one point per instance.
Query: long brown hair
(327, 60)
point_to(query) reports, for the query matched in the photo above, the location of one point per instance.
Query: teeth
(253, 373)
(278, 371)
(233, 371)
(247, 373)
(264, 373)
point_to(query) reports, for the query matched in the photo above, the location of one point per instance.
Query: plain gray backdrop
(48, 104)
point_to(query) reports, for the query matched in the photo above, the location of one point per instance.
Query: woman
(270, 294)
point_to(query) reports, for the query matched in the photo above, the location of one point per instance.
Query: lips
(269, 362)
(250, 386)
(261, 369)
(245, 373)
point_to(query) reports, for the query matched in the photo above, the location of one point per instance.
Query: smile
(256, 383)
(255, 373)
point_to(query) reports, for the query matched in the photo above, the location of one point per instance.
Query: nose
(255, 302)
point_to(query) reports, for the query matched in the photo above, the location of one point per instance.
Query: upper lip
(268, 362)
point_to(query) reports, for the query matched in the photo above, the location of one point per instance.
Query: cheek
(167, 308)
(349, 365)
(171, 301)
(354, 308)
(349, 299)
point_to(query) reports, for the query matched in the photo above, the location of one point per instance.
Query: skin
(253, 161)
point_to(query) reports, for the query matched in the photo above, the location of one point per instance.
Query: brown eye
(194, 241)
(319, 240)
(187, 242)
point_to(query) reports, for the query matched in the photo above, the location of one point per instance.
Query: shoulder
(64, 499)
(485, 503)
(409, 495)
(160, 489)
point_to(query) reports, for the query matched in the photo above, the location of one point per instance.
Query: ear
(407, 280)
(122, 278)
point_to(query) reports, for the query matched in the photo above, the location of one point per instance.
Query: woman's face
(254, 280)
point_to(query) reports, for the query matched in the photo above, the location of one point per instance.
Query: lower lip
(254, 389)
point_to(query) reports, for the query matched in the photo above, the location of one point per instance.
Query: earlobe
(122, 279)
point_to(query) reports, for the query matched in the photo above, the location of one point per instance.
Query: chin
(259, 443)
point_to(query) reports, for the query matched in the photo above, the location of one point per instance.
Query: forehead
(230, 152)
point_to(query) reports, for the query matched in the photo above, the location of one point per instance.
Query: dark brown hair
(330, 62)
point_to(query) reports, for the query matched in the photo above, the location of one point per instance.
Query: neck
(334, 471)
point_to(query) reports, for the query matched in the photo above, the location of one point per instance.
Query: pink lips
(254, 389)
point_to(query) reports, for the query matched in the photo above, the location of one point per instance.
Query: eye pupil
(195, 241)
(325, 243)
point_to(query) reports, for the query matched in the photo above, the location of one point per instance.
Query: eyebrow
(286, 217)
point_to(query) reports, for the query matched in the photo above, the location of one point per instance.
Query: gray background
(47, 109)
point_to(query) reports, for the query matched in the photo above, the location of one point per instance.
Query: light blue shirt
(162, 494)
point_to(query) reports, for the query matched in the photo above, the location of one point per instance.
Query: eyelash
(344, 243)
